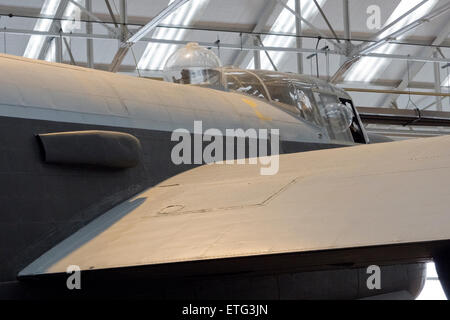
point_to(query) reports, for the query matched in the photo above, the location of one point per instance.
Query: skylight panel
(67, 26)
(285, 23)
(156, 54)
(36, 42)
(367, 67)
(446, 82)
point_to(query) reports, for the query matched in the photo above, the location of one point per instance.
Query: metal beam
(383, 115)
(55, 26)
(269, 8)
(413, 93)
(435, 13)
(326, 21)
(437, 82)
(89, 42)
(123, 20)
(58, 49)
(155, 21)
(346, 12)
(257, 56)
(367, 50)
(118, 58)
(347, 30)
(309, 24)
(136, 22)
(69, 51)
(407, 13)
(267, 53)
(417, 66)
(298, 32)
(123, 49)
(405, 57)
(392, 132)
(94, 17)
(152, 24)
(349, 61)
(229, 46)
(439, 50)
(111, 13)
(429, 105)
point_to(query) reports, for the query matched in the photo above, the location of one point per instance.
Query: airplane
(88, 180)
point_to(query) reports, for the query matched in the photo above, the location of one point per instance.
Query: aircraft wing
(368, 197)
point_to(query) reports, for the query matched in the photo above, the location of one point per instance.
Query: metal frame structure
(126, 44)
(269, 8)
(230, 46)
(55, 27)
(119, 29)
(415, 67)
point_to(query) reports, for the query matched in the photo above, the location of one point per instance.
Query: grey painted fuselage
(42, 203)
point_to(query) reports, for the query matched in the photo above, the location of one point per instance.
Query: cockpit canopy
(316, 102)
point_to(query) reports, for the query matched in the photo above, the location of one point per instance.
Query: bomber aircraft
(138, 184)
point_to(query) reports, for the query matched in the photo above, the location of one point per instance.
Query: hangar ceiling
(406, 49)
